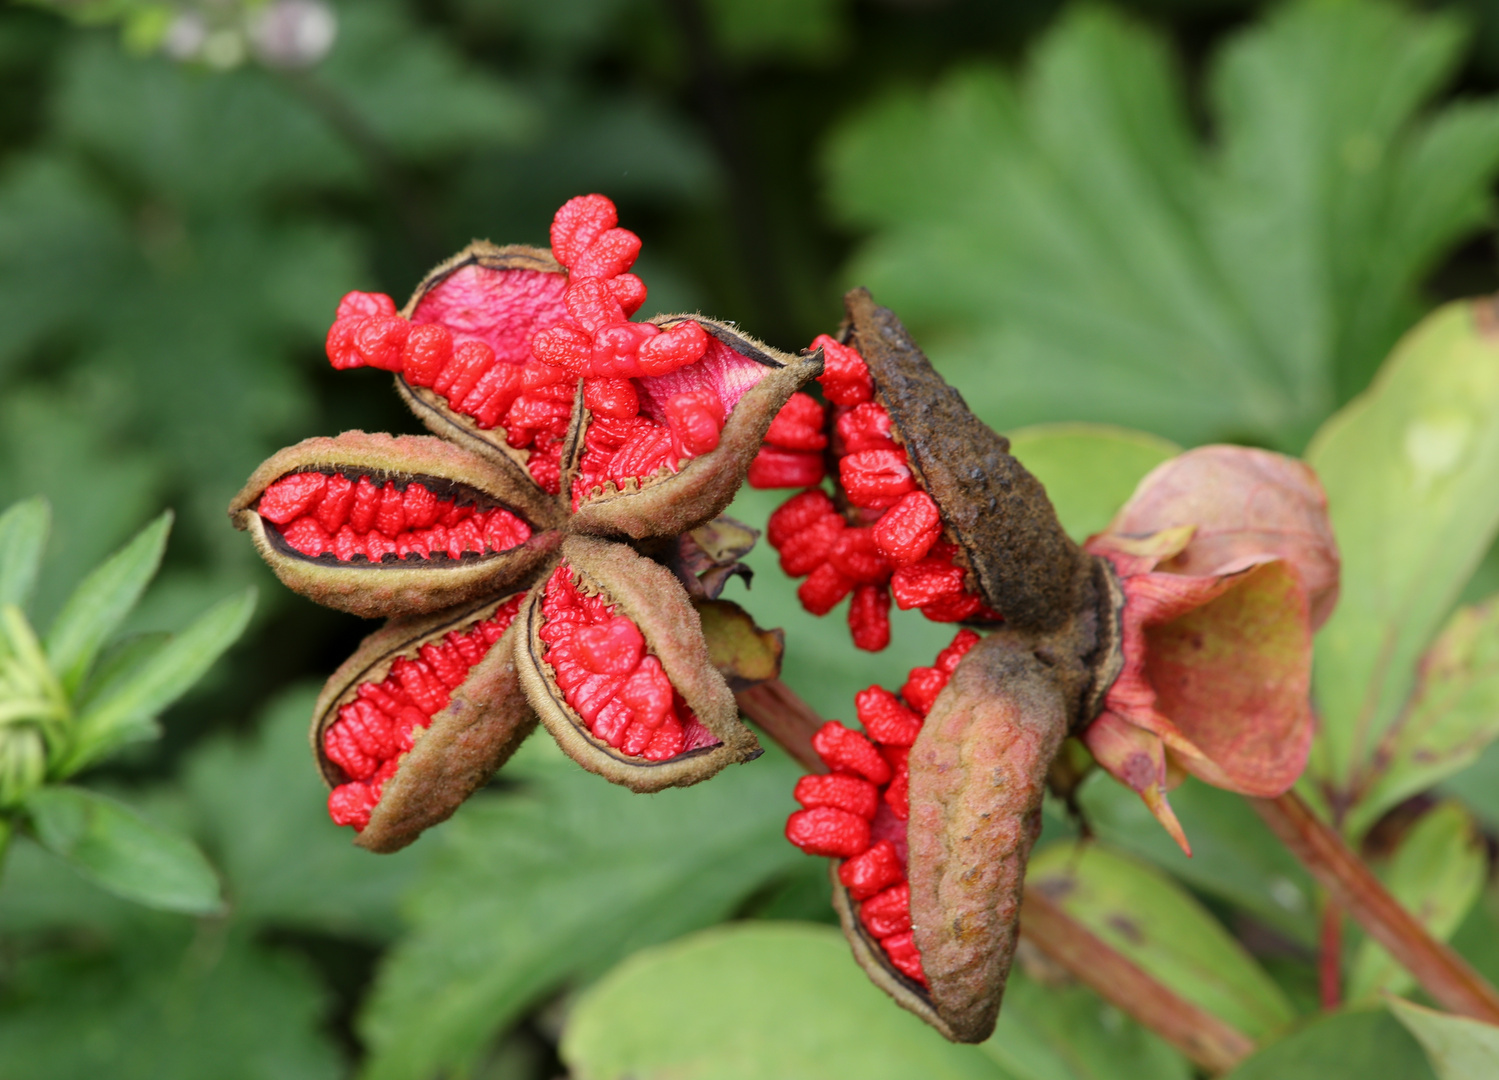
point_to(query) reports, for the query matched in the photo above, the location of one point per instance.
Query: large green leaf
(116, 848)
(1340, 1046)
(556, 880)
(755, 1001)
(23, 535)
(1458, 1048)
(1410, 468)
(1436, 874)
(1149, 919)
(1090, 470)
(1066, 247)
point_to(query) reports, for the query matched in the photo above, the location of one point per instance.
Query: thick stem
(1330, 956)
(1349, 883)
(1208, 1041)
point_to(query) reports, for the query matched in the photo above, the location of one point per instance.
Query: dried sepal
(484, 721)
(691, 490)
(978, 774)
(343, 574)
(743, 653)
(641, 601)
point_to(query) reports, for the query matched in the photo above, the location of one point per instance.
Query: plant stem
(1202, 1037)
(1351, 885)
(1330, 955)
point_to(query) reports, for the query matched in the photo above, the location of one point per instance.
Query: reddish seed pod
(843, 749)
(850, 793)
(799, 424)
(777, 468)
(291, 496)
(876, 478)
(828, 831)
(907, 531)
(428, 349)
(889, 912)
(873, 871)
(869, 617)
(364, 304)
(613, 398)
(886, 718)
(845, 377)
(822, 590)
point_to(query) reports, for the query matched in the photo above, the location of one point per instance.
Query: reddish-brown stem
(1330, 956)
(1350, 884)
(1208, 1041)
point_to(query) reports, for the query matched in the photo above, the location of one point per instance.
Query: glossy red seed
(648, 451)
(675, 347)
(869, 617)
(822, 590)
(610, 648)
(351, 803)
(291, 496)
(497, 387)
(695, 420)
(545, 466)
(366, 504)
(828, 831)
(855, 556)
(954, 607)
(471, 361)
(923, 582)
(465, 536)
(613, 398)
(851, 793)
(428, 349)
(776, 468)
(337, 499)
(901, 949)
(886, 718)
(875, 478)
(503, 531)
(566, 346)
(364, 304)
(922, 687)
(308, 537)
(849, 751)
(872, 872)
(343, 354)
(390, 517)
(629, 290)
(577, 223)
(381, 340)
(949, 658)
(845, 377)
(887, 913)
(864, 427)
(898, 792)
(347, 543)
(795, 514)
(419, 507)
(610, 253)
(811, 547)
(907, 531)
(377, 545)
(799, 425)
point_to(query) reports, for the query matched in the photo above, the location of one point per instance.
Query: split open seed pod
(382, 525)
(612, 656)
(419, 718)
(694, 476)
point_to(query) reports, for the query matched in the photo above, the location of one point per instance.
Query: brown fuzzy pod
(397, 586)
(978, 773)
(673, 503)
(484, 722)
(650, 595)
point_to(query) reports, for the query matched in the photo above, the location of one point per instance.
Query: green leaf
(1340, 1046)
(129, 711)
(779, 30)
(102, 600)
(1152, 921)
(1409, 468)
(1458, 1048)
(1437, 873)
(757, 1001)
(1090, 470)
(117, 849)
(23, 535)
(1066, 246)
(555, 881)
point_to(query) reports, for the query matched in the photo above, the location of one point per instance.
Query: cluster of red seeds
(533, 401)
(597, 339)
(620, 690)
(374, 730)
(857, 812)
(319, 514)
(894, 544)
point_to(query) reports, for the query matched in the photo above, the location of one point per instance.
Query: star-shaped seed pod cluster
(528, 554)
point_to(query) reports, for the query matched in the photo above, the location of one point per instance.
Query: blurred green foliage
(1194, 217)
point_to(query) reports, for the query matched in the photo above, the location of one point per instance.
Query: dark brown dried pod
(319, 544)
(612, 656)
(466, 738)
(751, 379)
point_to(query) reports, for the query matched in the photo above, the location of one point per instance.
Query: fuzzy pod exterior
(1024, 564)
(650, 595)
(679, 502)
(485, 721)
(396, 587)
(978, 774)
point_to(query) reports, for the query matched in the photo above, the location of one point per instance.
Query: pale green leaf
(1452, 717)
(1089, 470)
(102, 600)
(1458, 1048)
(1436, 874)
(129, 710)
(1340, 1046)
(117, 849)
(1410, 468)
(23, 535)
(755, 1001)
(1149, 919)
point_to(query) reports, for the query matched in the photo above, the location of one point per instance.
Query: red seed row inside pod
(374, 730)
(532, 401)
(857, 812)
(319, 514)
(894, 544)
(601, 663)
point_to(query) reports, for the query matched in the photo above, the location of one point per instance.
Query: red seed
(347, 544)
(308, 537)
(577, 223)
(503, 531)
(377, 545)
(496, 405)
(949, 658)
(629, 290)
(850, 793)
(799, 425)
(609, 254)
(876, 478)
(776, 468)
(610, 648)
(420, 685)
(675, 347)
(828, 831)
(648, 692)
(534, 375)
(350, 804)
(920, 583)
(390, 518)
(888, 913)
(869, 617)
(810, 548)
(455, 512)
(875, 870)
(465, 536)
(855, 556)
(954, 607)
(381, 340)
(865, 427)
(446, 664)
(822, 590)
(291, 496)
(907, 531)
(845, 377)
(428, 349)
(615, 398)
(843, 749)
(795, 514)
(337, 500)
(886, 719)
(922, 687)
(420, 507)
(695, 420)
(901, 949)
(594, 308)
(339, 344)
(470, 362)
(898, 793)
(364, 304)
(646, 452)
(501, 383)
(366, 504)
